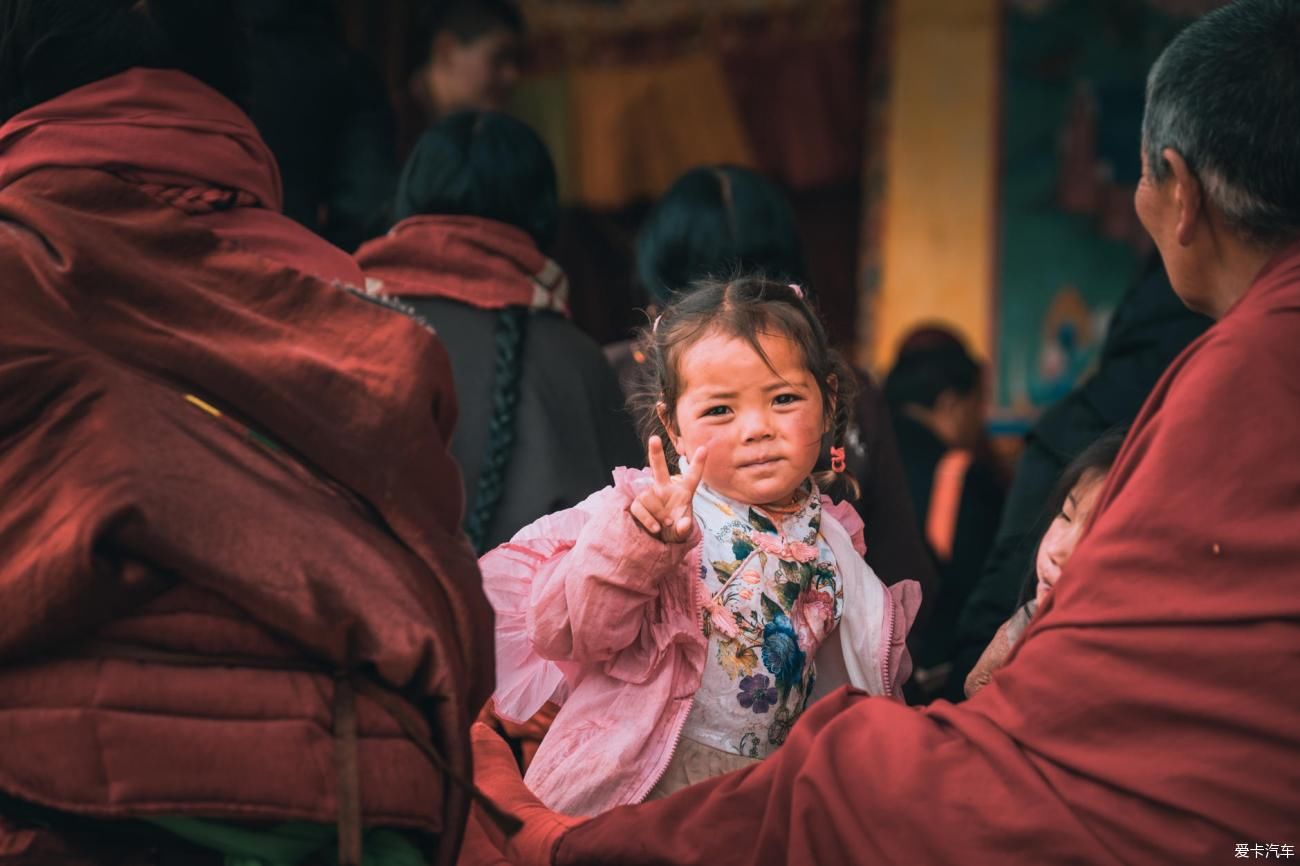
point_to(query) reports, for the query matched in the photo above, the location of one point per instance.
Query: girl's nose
(1058, 550)
(757, 426)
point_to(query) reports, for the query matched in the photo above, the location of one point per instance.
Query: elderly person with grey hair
(1151, 713)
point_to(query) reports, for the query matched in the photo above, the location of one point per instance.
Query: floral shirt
(773, 594)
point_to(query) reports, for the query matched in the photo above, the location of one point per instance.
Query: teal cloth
(290, 844)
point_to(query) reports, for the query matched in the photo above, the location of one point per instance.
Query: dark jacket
(572, 427)
(974, 525)
(1151, 326)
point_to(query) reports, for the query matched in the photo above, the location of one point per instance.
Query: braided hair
(511, 329)
(495, 167)
(742, 307)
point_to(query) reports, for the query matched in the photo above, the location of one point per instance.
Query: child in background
(685, 621)
(1077, 494)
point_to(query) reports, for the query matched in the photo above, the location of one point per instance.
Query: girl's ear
(661, 409)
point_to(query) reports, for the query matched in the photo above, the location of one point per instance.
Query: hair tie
(837, 459)
(654, 329)
(797, 289)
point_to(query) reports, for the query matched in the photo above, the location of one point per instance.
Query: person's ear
(661, 409)
(1189, 196)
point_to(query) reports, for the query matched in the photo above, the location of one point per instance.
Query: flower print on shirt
(772, 596)
(781, 653)
(813, 616)
(756, 694)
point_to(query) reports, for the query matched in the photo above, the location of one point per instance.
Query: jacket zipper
(696, 584)
(887, 675)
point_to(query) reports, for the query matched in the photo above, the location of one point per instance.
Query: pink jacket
(595, 613)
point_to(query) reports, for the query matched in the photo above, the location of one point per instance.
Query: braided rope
(510, 332)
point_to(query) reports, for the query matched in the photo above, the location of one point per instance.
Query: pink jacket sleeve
(904, 596)
(571, 590)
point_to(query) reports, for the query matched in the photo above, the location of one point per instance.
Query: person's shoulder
(1240, 362)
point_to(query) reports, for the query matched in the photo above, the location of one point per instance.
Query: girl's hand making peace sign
(664, 508)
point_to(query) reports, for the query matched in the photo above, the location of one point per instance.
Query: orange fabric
(636, 128)
(945, 501)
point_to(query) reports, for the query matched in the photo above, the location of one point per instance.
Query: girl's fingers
(658, 462)
(642, 516)
(684, 527)
(657, 503)
(695, 471)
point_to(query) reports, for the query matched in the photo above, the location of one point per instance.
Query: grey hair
(1225, 95)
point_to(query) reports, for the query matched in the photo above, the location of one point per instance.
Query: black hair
(742, 307)
(492, 166)
(1098, 457)
(484, 164)
(920, 375)
(48, 47)
(467, 20)
(511, 329)
(715, 221)
(1225, 95)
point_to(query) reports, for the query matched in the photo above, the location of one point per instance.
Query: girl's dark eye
(715, 411)
(785, 399)
(1063, 516)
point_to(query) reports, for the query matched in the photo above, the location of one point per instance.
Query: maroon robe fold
(1152, 713)
(312, 528)
(484, 263)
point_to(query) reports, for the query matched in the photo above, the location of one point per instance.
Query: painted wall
(938, 234)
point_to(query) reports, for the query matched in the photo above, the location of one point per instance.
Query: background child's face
(763, 425)
(1058, 544)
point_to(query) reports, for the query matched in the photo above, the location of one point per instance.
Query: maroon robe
(182, 593)
(1151, 715)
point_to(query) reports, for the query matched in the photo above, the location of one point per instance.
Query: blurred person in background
(471, 52)
(936, 397)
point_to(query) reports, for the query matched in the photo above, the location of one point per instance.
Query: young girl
(1076, 495)
(685, 621)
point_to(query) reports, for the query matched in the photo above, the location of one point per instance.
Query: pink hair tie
(837, 459)
(797, 289)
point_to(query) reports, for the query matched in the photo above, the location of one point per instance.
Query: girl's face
(1058, 544)
(763, 425)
